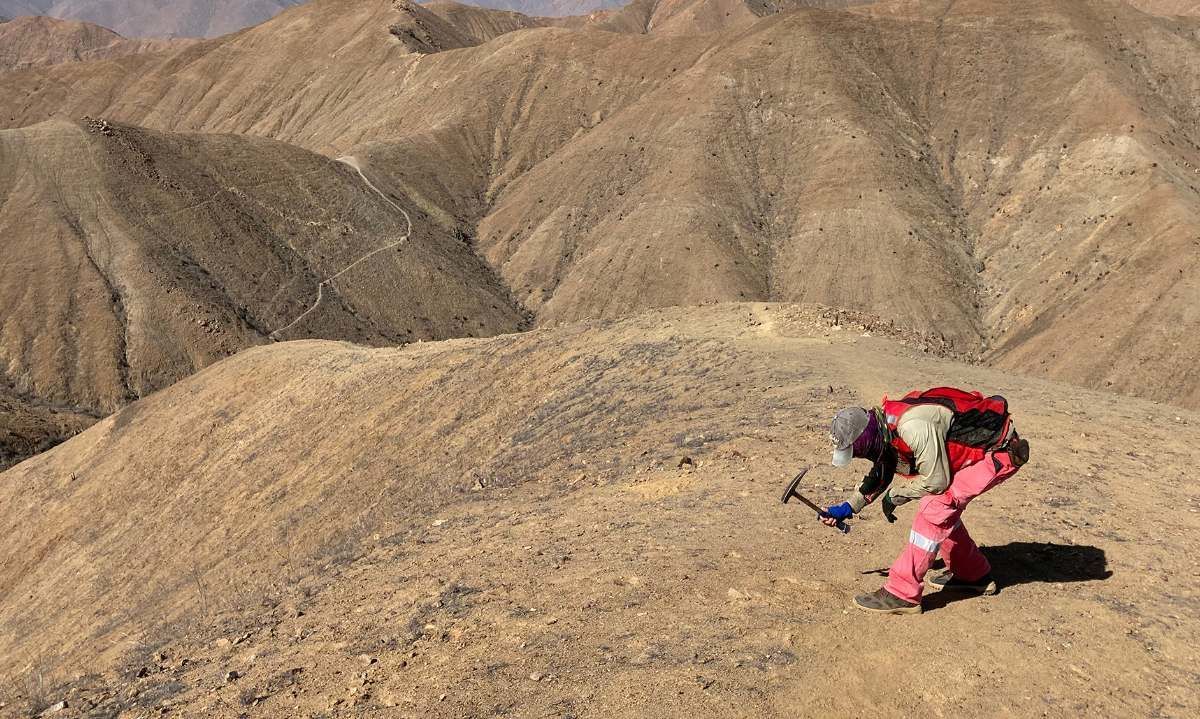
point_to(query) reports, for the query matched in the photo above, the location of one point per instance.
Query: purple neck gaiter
(867, 444)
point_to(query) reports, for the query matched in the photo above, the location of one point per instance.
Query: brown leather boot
(884, 602)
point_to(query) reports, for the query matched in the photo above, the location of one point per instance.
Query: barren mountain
(482, 24)
(508, 527)
(132, 258)
(1017, 176)
(155, 18)
(688, 17)
(29, 41)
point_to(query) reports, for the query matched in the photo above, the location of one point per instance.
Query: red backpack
(980, 424)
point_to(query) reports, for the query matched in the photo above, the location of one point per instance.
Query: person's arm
(924, 430)
(876, 482)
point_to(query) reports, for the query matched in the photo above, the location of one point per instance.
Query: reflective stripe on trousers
(922, 542)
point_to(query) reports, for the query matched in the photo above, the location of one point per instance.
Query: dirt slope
(690, 17)
(503, 526)
(482, 24)
(132, 258)
(155, 18)
(550, 8)
(29, 41)
(28, 427)
(1020, 177)
(1167, 7)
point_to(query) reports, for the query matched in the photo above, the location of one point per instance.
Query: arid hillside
(155, 18)
(133, 258)
(28, 426)
(1020, 177)
(583, 520)
(29, 41)
(483, 24)
(551, 8)
(689, 17)
(1168, 7)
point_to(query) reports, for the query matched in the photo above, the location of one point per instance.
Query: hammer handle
(842, 526)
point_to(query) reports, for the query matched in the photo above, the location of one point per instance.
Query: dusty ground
(503, 527)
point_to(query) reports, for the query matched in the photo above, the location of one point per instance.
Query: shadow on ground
(1024, 562)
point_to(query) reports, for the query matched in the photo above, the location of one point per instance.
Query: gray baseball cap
(847, 425)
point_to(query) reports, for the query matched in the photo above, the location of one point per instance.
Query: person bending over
(952, 446)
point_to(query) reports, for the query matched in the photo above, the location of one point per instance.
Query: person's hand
(889, 508)
(839, 512)
(833, 516)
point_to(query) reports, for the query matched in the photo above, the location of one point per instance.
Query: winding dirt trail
(351, 161)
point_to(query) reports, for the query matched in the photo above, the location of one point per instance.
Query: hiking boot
(884, 602)
(946, 580)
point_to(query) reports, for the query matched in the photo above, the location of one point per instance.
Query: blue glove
(840, 511)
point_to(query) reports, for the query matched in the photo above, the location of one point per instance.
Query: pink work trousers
(937, 527)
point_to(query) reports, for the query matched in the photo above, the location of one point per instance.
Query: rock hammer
(791, 492)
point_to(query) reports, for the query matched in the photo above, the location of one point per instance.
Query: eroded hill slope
(28, 427)
(482, 24)
(506, 526)
(29, 41)
(156, 18)
(1167, 7)
(131, 258)
(1015, 175)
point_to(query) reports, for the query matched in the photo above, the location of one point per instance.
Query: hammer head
(791, 492)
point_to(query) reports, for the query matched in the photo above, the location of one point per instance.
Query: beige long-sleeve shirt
(923, 428)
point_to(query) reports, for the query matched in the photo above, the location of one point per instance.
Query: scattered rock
(686, 461)
(232, 676)
(366, 659)
(535, 677)
(387, 699)
(98, 125)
